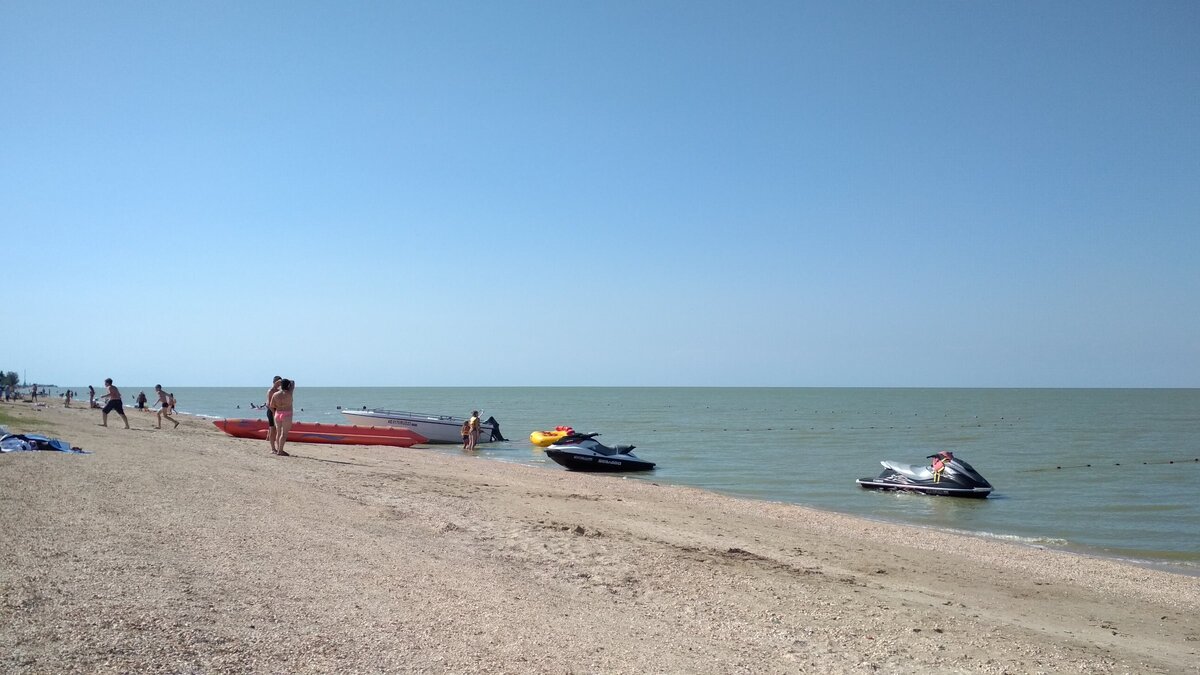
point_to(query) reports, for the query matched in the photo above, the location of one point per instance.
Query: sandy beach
(184, 550)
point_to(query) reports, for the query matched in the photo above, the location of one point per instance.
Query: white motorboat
(435, 428)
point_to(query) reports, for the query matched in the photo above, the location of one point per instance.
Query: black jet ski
(582, 452)
(946, 475)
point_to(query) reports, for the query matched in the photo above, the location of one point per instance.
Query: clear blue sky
(601, 193)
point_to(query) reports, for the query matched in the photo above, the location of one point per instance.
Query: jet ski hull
(947, 476)
(940, 490)
(586, 461)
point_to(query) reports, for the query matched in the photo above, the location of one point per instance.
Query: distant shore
(184, 549)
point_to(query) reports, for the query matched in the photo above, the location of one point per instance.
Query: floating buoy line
(1194, 460)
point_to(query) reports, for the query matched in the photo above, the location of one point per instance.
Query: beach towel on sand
(32, 442)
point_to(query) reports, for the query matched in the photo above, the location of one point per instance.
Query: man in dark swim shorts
(114, 403)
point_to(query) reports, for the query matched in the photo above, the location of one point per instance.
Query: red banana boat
(314, 432)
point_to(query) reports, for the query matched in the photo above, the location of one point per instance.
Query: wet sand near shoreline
(187, 550)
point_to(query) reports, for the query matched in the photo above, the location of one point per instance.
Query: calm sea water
(1117, 492)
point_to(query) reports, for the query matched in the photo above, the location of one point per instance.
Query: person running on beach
(114, 403)
(271, 431)
(281, 402)
(164, 409)
(473, 430)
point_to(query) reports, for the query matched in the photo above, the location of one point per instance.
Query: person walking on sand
(271, 431)
(114, 403)
(282, 402)
(473, 430)
(164, 409)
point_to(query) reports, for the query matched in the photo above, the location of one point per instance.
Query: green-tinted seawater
(807, 446)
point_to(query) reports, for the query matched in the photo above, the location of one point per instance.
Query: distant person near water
(141, 400)
(282, 402)
(171, 398)
(164, 409)
(271, 431)
(473, 430)
(114, 403)
(68, 403)
(466, 433)
(34, 393)
(92, 397)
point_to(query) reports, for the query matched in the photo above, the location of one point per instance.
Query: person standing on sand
(466, 433)
(164, 409)
(473, 430)
(68, 403)
(141, 400)
(171, 398)
(281, 402)
(271, 431)
(91, 396)
(114, 403)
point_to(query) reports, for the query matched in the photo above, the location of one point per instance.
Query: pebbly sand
(189, 551)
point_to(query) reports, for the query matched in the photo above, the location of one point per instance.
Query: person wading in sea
(473, 430)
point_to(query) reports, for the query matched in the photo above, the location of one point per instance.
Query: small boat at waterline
(582, 452)
(435, 428)
(946, 475)
(334, 434)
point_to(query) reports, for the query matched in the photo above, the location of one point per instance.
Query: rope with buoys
(1093, 466)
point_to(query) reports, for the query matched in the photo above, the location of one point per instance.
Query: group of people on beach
(166, 403)
(279, 413)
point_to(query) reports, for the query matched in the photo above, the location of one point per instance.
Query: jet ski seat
(917, 472)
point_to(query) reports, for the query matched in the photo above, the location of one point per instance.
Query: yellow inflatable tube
(545, 439)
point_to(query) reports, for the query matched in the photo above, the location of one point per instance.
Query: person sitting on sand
(164, 409)
(114, 403)
(281, 403)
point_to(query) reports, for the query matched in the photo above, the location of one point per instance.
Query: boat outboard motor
(496, 435)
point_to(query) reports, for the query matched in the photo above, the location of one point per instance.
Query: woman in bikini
(281, 403)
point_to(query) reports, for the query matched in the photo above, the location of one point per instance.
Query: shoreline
(1188, 568)
(188, 549)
